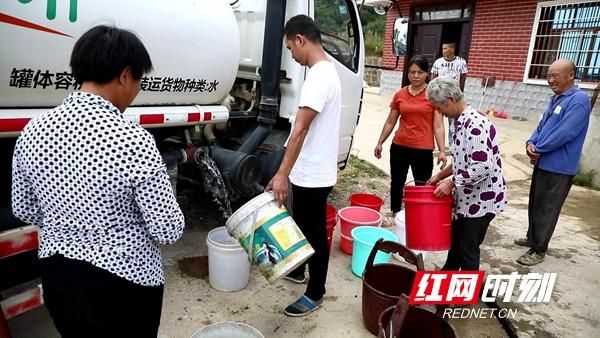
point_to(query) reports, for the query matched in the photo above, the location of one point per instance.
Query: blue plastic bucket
(364, 241)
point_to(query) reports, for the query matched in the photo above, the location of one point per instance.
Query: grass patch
(358, 172)
(586, 179)
(363, 168)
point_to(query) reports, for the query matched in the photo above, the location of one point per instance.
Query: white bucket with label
(399, 220)
(270, 236)
(228, 330)
(228, 266)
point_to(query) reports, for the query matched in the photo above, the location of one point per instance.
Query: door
(427, 40)
(465, 40)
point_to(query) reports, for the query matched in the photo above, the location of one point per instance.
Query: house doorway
(432, 25)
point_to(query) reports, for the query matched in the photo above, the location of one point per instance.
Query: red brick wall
(499, 41)
(389, 60)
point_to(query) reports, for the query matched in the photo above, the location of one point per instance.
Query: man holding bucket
(310, 160)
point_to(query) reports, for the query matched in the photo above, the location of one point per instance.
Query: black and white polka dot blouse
(96, 186)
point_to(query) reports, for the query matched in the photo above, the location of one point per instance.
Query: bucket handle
(399, 315)
(414, 181)
(397, 318)
(395, 247)
(251, 242)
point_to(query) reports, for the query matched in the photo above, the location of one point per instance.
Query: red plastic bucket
(370, 201)
(331, 222)
(428, 218)
(350, 218)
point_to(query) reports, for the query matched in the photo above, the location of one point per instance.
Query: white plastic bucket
(270, 236)
(228, 330)
(399, 220)
(228, 265)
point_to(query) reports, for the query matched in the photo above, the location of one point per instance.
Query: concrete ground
(190, 303)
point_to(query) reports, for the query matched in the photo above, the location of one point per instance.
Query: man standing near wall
(310, 159)
(451, 66)
(555, 149)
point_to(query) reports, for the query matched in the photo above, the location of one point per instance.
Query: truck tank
(194, 47)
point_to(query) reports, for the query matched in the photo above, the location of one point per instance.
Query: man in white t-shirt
(454, 67)
(310, 160)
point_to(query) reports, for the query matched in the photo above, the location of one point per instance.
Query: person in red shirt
(412, 145)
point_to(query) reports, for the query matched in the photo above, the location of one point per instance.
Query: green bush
(373, 44)
(586, 179)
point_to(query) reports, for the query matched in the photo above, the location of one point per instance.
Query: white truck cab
(223, 82)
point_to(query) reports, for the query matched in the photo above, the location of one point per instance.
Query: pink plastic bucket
(350, 218)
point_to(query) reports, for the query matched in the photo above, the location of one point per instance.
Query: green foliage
(359, 172)
(373, 30)
(328, 17)
(372, 22)
(373, 44)
(586, 179)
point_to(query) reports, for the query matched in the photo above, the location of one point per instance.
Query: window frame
(534, 29)
(355, 57)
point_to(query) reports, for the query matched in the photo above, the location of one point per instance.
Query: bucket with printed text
(270, 236)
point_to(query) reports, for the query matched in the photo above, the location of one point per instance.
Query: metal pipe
(269, 76)
(255, 139)
(271, 61)
(172, 159)
(209, 134)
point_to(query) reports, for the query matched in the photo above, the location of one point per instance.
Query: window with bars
(567, 30)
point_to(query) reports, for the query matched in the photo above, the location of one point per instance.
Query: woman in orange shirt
(412, 145)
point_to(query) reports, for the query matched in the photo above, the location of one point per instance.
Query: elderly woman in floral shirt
(476, 174)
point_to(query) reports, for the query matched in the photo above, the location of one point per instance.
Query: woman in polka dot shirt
(96, 186)
(476, 169)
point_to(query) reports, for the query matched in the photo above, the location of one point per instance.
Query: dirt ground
(190, 303)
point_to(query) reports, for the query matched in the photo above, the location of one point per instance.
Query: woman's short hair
(103, 52)
(441, 88)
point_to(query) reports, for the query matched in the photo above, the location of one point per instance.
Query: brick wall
(500, 39)
(389, 60)
(499, 42)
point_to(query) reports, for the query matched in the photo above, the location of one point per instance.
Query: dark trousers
(86, 301)
(467, 235)
(310, 213)
(546, 197)
(401, 158)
